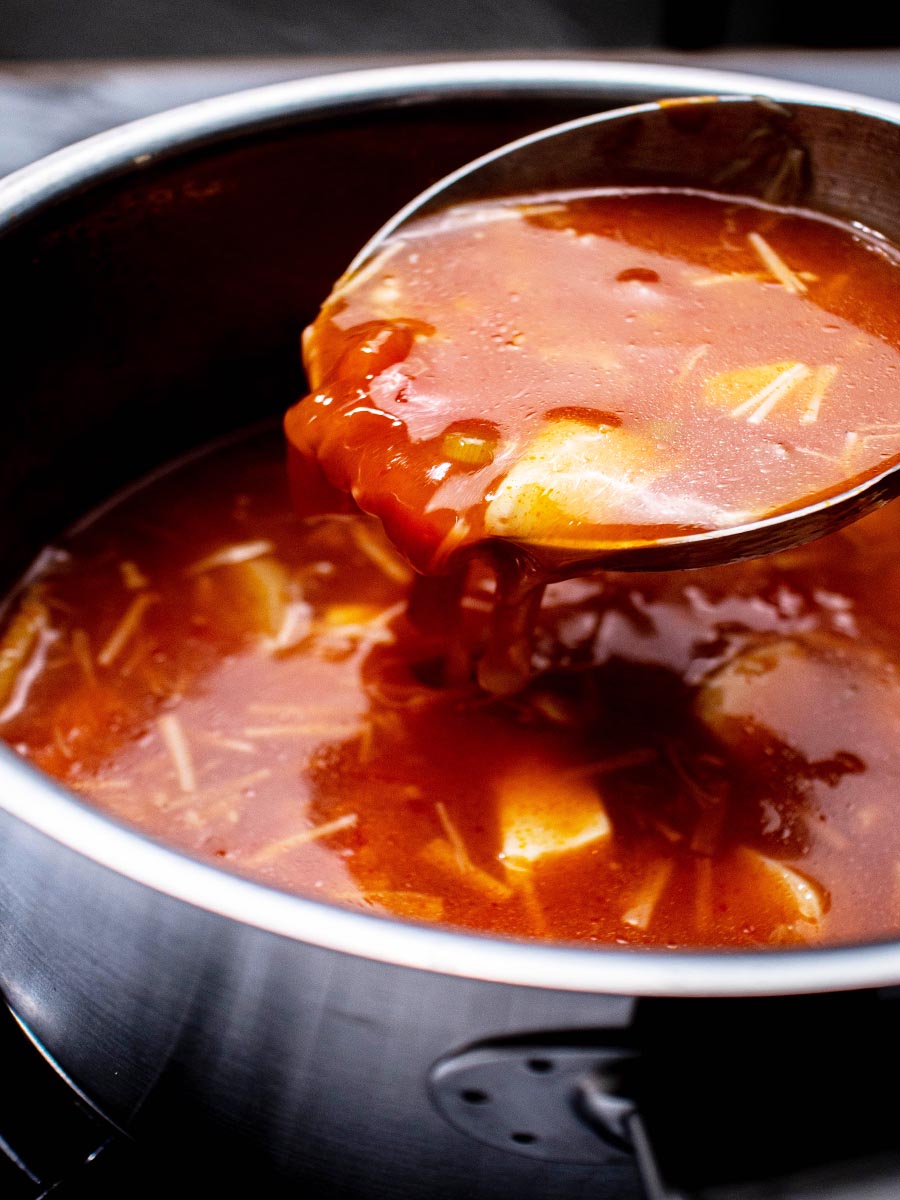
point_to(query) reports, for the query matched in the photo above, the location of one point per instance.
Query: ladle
(832, 160)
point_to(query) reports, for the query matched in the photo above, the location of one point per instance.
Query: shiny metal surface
(169, 990)
(594, 84)
(833, 159)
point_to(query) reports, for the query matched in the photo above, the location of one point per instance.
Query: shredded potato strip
(441, 854)
(829, 458)
(20, 652)
(230, 786)
(437, 854)
(454, 837)
(389, 563)
(308, 729)
(762, 402)
(232, 555)
(640, 913)
(213, 797)
(714, 280)
(81, 652)
(692, 359)
(851, 445)
(618, 762)
(823, 378)
(775, 264)
(295, 627)
(229, 743)
(274, 849)
(140, 651)
(89, 786)
(463, 859)
(133, 578)
(705, 281)
(528, 894)
(454, 853)
(126, 628)
(176, 743)
(417, 906)
(452, 539)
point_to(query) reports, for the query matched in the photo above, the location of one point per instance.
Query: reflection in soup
(702, 759)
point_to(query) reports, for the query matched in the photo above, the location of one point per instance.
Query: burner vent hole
(524, 1139)
(540, 1066)
(474, 1096)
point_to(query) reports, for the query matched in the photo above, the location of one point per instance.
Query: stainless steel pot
(159, 275)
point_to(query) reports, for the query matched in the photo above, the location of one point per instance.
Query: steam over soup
(708, 758)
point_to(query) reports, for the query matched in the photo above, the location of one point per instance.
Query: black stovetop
(54, 1143)
(52, 1140)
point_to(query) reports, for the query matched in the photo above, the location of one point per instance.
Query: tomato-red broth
(708, 758)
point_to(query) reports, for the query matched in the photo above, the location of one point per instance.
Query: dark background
(66, 29)
(71, 68)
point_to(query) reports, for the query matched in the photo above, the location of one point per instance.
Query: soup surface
(709, 758)
(575, 374)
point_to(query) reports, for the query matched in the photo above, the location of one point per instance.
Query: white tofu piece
(821, 695)
(573, 474)
(570, 472)
(544, 812)
(252, 596)
(806, 897)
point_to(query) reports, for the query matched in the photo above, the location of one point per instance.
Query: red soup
(688, 759)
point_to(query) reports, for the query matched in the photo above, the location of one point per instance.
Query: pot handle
(866, 1178)
(787, 1098)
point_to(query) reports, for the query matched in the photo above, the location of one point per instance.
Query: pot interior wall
(162, 309)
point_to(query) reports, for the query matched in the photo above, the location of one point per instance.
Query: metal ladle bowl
(834, 160)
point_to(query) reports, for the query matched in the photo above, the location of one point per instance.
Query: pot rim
(37, 801)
